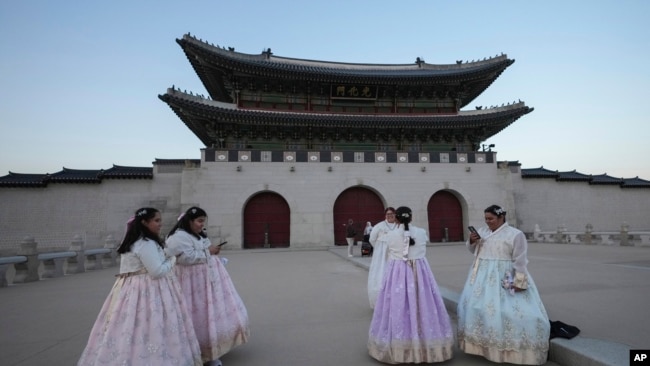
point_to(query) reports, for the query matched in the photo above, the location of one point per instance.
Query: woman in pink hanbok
(218, 313)
(143, 321)
(410, 323)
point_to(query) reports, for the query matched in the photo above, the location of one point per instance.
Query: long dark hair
(135, 229)
(404, 215)
(184, 222)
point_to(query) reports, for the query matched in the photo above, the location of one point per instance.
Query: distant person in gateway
(350, 234)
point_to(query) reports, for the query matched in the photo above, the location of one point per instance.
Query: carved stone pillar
(27, 271)
(588, 229)
(77, 264)
(111, 243)
(625, 238)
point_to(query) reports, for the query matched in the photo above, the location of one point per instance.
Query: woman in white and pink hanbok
(143, 320)
(218, 313)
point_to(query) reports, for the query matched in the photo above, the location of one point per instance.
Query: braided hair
(404, 215)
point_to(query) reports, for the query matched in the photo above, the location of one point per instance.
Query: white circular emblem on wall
(480, 159)
(221, 157)
(424, 158)
(289, 157)
(337, 158)
(244, 157)
(402, 158)
(380, 158)
(461, 159)
(313, 158)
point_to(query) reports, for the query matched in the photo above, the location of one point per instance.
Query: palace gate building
(294, 148)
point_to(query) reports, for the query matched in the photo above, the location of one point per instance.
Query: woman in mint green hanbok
(500, 313)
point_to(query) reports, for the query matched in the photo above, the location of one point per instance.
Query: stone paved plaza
(310, 307)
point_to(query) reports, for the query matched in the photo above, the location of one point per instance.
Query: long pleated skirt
(143, 322)
(218, 313)
(410, 323)
(498, 325)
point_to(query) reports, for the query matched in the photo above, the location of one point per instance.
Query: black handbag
(563, 330)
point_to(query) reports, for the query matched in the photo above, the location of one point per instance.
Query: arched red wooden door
(445, 212)
(360, 205)
(266, 222)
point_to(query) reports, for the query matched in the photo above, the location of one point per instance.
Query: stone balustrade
(29, 265)
(561, 235)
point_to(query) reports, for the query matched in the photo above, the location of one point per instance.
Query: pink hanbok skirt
(143, 322)
(218, 313)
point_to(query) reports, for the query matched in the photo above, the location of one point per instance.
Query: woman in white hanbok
(378, 240)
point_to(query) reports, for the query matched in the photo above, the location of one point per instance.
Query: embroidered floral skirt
(499, 326)
(410, 323)
(218, 313)
(143, 322)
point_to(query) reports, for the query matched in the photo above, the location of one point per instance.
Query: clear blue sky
(79, 80)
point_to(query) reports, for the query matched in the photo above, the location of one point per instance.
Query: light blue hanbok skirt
(498, 325)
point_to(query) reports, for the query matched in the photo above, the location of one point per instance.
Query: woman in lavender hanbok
(500, 313)
(143, 320)
(218, 313)
(410, 323)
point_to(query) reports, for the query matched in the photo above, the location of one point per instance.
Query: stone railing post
(625, 239)
(111, 243)
(537, 233)
(560, 237)
(27, 271)
(77, 264)
(588, 229)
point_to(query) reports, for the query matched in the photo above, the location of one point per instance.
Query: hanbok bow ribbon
(407, 240)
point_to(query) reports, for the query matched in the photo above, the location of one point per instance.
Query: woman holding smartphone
(219, 316)
(500, 313)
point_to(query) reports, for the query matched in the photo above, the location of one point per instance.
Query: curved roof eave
(204, 57)
(195, 112)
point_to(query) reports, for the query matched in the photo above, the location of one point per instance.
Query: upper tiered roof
(220, 68)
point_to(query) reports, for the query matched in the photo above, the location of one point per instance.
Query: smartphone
(473, 230)
(220, 244)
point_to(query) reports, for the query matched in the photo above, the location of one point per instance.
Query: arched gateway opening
(360, 205)
(267, 222)
(445, 218)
